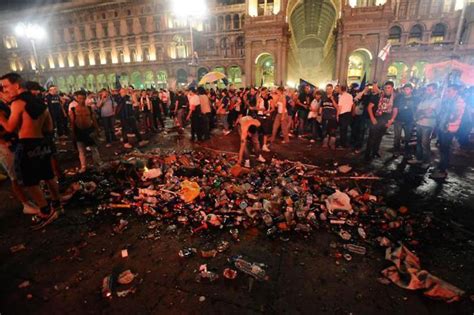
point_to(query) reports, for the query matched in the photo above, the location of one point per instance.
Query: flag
(117, 82)
(304, 83)
(363, 83)
(383, 54)
(48, 83)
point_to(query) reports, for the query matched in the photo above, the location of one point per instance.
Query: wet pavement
(65, 263)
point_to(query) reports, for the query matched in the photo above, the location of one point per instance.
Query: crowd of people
(34, 120)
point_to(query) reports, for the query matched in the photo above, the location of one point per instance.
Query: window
(82, 33)
(115, 14)
(10, 42)
(71, 34)
(143, 24)
(240, 45)
(180, 47)
(129, 12)
(117, 28)
(448, 4)
(211, 44)
(395, 34)
(228, 22)
(225, 46)
(439, 33)
(105, 30)
(416, 34)
(130, 26)
(236, 22)
(103, 16)
(93, 32)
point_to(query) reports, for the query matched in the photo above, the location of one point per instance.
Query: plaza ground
(65, 263)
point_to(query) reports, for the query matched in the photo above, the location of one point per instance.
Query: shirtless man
(84, 124)
(7, 158)
(249, 134)
(33, 154)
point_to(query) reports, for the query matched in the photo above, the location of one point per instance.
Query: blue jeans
(407, 128)
(108, 123)
(423, 142)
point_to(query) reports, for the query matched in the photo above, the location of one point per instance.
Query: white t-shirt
(345, 103)
(313, 113)
(193, 101)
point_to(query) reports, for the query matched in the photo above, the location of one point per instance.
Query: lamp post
(32, 32)
(189, 9)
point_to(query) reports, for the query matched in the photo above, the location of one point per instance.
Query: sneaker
(226, 132)
(284, 142)
(414, 161)
(108, 145)
(127, 146)
(247, 164)
(261, 159)
(439, 175)
(312, 141)
(143, 143)
(265, 148)
(30, 208)
(39, 223)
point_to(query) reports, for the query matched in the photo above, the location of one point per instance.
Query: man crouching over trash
(249, 136)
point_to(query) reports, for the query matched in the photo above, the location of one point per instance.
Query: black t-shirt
(406, 107)
(126, 106)
(382, 106)
(328, 110)
(304, 99)
(182, 101)
(54, 104)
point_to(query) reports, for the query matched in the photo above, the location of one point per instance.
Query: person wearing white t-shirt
(346, 105)
(281, 118)
(314, 117)
(195, 115)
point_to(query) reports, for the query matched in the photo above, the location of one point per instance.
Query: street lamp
(188, 9)
(32, 32)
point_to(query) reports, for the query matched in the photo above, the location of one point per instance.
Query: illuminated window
(416, 34)
(439, 33)
(10, 42)
(395, 35)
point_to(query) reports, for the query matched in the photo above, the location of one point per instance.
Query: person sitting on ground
(33, 153)
(249, 135)
(84, 125)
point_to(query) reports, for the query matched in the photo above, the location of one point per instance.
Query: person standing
(405, 106)
(346, 105)
(329, 111)
(314, 117)
(449, 121)
(126, 112)
(281, 117)
(107, 108)
(146, 108)
(56, 110)
(30, 116)
(158, 112)
(84, 130)
(206, 112)
(265, 110)
(222, 112)
(195, 115)
(425, 119)
(381, 116)
(7, 158)
(249, 136)
(302, 109)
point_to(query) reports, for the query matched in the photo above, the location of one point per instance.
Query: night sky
(21, 4)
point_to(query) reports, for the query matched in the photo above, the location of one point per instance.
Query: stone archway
(149, 79)
(181, 77)
(359, 65)
(265, 70)
(80, 82)
(234, 74)
(201, 72)
(90, 82)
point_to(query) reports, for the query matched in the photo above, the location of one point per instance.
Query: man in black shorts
(33, 154)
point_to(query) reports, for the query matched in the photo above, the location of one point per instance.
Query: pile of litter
(202, 192)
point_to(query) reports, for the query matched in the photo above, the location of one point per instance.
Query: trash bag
(189, 191)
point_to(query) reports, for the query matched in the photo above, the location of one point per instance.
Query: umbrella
(211, 77)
